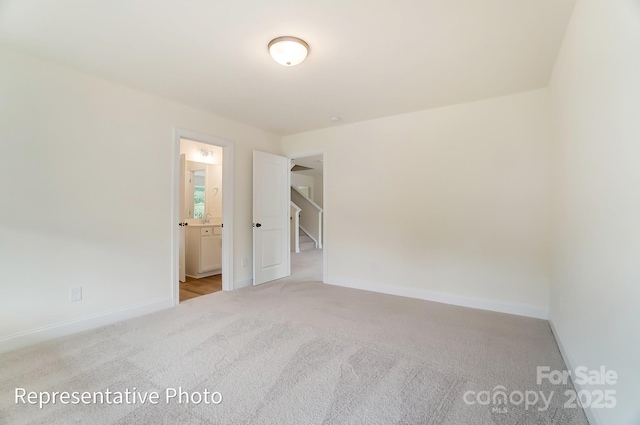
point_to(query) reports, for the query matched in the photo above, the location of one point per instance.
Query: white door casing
(183, 176)
(271, 204)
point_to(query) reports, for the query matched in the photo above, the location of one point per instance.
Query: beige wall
(595, 99)
(449, 204)
(86, 182)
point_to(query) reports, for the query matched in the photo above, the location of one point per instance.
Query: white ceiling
(369, 58)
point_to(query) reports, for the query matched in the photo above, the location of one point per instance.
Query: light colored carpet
(295, 352)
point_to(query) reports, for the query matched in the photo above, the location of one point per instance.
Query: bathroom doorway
(204, 211)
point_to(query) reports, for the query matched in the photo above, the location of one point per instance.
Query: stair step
(305, 242)
(308, 246)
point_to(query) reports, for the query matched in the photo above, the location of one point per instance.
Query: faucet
(207, 218)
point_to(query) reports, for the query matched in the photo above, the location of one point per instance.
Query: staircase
(306, 243)
(306, 221)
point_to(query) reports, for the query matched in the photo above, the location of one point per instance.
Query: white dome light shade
(288, 51)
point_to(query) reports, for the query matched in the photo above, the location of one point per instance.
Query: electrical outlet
(244, 261)
(75, 294)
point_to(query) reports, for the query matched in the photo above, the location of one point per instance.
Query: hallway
(306, 266)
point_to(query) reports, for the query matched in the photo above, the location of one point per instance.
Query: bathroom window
(306, 191)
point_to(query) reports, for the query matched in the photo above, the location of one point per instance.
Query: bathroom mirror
(203, 199)
(199, 193)
(195, 190)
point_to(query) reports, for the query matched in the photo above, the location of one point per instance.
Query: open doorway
(201, 218)
(203, 208)
(307, 217)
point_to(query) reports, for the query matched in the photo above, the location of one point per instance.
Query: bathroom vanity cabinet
(203, 250)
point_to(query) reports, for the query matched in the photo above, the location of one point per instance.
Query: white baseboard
(592, 415)
(242, 283)
(46, 333)
(205, 274)
(482, 304)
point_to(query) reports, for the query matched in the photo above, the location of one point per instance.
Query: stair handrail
(295, 224)
(318, 207)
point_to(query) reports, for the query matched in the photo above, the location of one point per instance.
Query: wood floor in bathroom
(196, 287)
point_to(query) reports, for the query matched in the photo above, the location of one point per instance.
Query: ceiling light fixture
(288, 51)
(207, 156)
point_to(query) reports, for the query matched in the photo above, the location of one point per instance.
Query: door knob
(257, 225)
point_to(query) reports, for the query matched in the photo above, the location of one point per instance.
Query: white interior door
(183, 176)
(271, 199)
